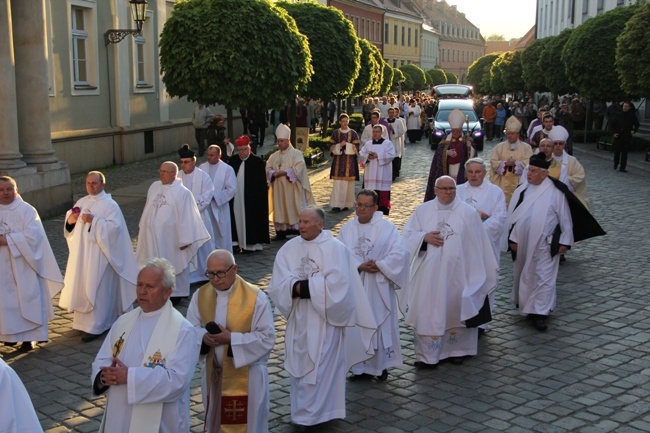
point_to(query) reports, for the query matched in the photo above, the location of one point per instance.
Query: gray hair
(445, 178)
(222, 253)
(369, 193)
(167, 269)
(476, 161)
(320, 213)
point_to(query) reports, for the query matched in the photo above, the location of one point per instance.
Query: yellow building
(402, 33)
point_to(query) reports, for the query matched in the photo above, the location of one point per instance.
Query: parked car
(450, 97)
(440, 124)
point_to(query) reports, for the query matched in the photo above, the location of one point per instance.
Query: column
(32, 95)
(9, 153)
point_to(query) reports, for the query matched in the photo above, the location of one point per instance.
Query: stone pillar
(32, 95)
(9, 153)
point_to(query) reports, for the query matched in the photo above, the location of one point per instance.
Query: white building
(429, 48)
(553, 16)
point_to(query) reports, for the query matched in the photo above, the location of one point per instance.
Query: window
(395, 34)
(362, 30)
(403, 34)
(409, 36)
(386, 35)
(143, 58)
(84, 74)
(601, 5)
(416, 38)
(585, 7)
(394, 63)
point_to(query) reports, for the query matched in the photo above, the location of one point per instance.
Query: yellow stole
(234, 381)
(555, 169)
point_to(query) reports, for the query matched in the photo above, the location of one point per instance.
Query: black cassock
(256, 201)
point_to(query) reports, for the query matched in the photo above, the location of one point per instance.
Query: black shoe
(455, 360)
(383, 376)
(615, 167)
(10, 343)
(88, 337)
(345, 208)
(279, 236)
(540, 324)
(28, 345)
(424, 365)
(562, 258)
(362, 376)
(481, 331)
(336, 209)
(623, 170)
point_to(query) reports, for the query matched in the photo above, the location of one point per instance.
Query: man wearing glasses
(234, 321)
(202, 189)
(380, 254)
(171, 227)
(453, 271)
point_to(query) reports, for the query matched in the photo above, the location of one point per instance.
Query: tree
(632, 62)
(398, 77)
(589, 55)
(438, 76)
(225, 69)
(387, 82)
(478, 74)
(506, 72)
(415, 78)
(495, 37)
(451, 78)
(334, 49)
(531, 72)
(551, 66)
(370, 72)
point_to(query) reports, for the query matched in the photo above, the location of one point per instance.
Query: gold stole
(234, 381)
(555, 169)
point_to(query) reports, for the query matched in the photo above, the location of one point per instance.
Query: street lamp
(139, 13)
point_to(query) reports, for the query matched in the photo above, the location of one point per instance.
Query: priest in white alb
(17, 414)
(235, 378)
(147, 361)
(453, 271)
(330, 326)
(30, 276)
(376, 157)
(382, 260)
(225, 186)
(99, 283)
(202, 189)
(171, 227)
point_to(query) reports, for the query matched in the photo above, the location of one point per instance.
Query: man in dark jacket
(624, 124)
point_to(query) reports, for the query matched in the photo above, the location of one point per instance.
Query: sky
(510, 18)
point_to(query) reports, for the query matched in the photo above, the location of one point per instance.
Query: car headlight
(440, 133)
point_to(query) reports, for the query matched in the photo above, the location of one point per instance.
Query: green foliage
(478, 74)
(589, 55)
(632, 59)
(369, 80)
(387, 82)
(549, 62)
(531, 72)
(204, 59)
(378, 80)
(436, 77)
(415, 78)
(506, 73)
(333, 45)
(398, 77)
(451, 78)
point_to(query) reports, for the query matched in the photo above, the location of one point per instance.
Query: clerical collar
(559, 158)
(389, 120)
(345, 131)
(380, 141)
(154, 313)
(514, 145)
(224, 293)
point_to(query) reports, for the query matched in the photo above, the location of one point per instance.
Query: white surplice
(531, 226)
(576, 175)
(396, 131)
(17, 414)
(250, 349)
(225, 185)
(202, 188)
(326, 334)
(448, 284)
(377, 173)
(171, 220)
(101, 274)
(168, 383)
(30, 276)
(380, 241)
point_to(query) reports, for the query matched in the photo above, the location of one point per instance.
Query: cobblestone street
(589, 372)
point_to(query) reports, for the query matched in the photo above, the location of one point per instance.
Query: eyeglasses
(446, 188)
(219, 274)
(364, 206)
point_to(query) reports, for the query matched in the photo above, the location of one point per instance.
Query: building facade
(553, 16)
(430, 47)
(367, 17)
(402, 33)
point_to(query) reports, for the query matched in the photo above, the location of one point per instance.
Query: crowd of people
(341, 295)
